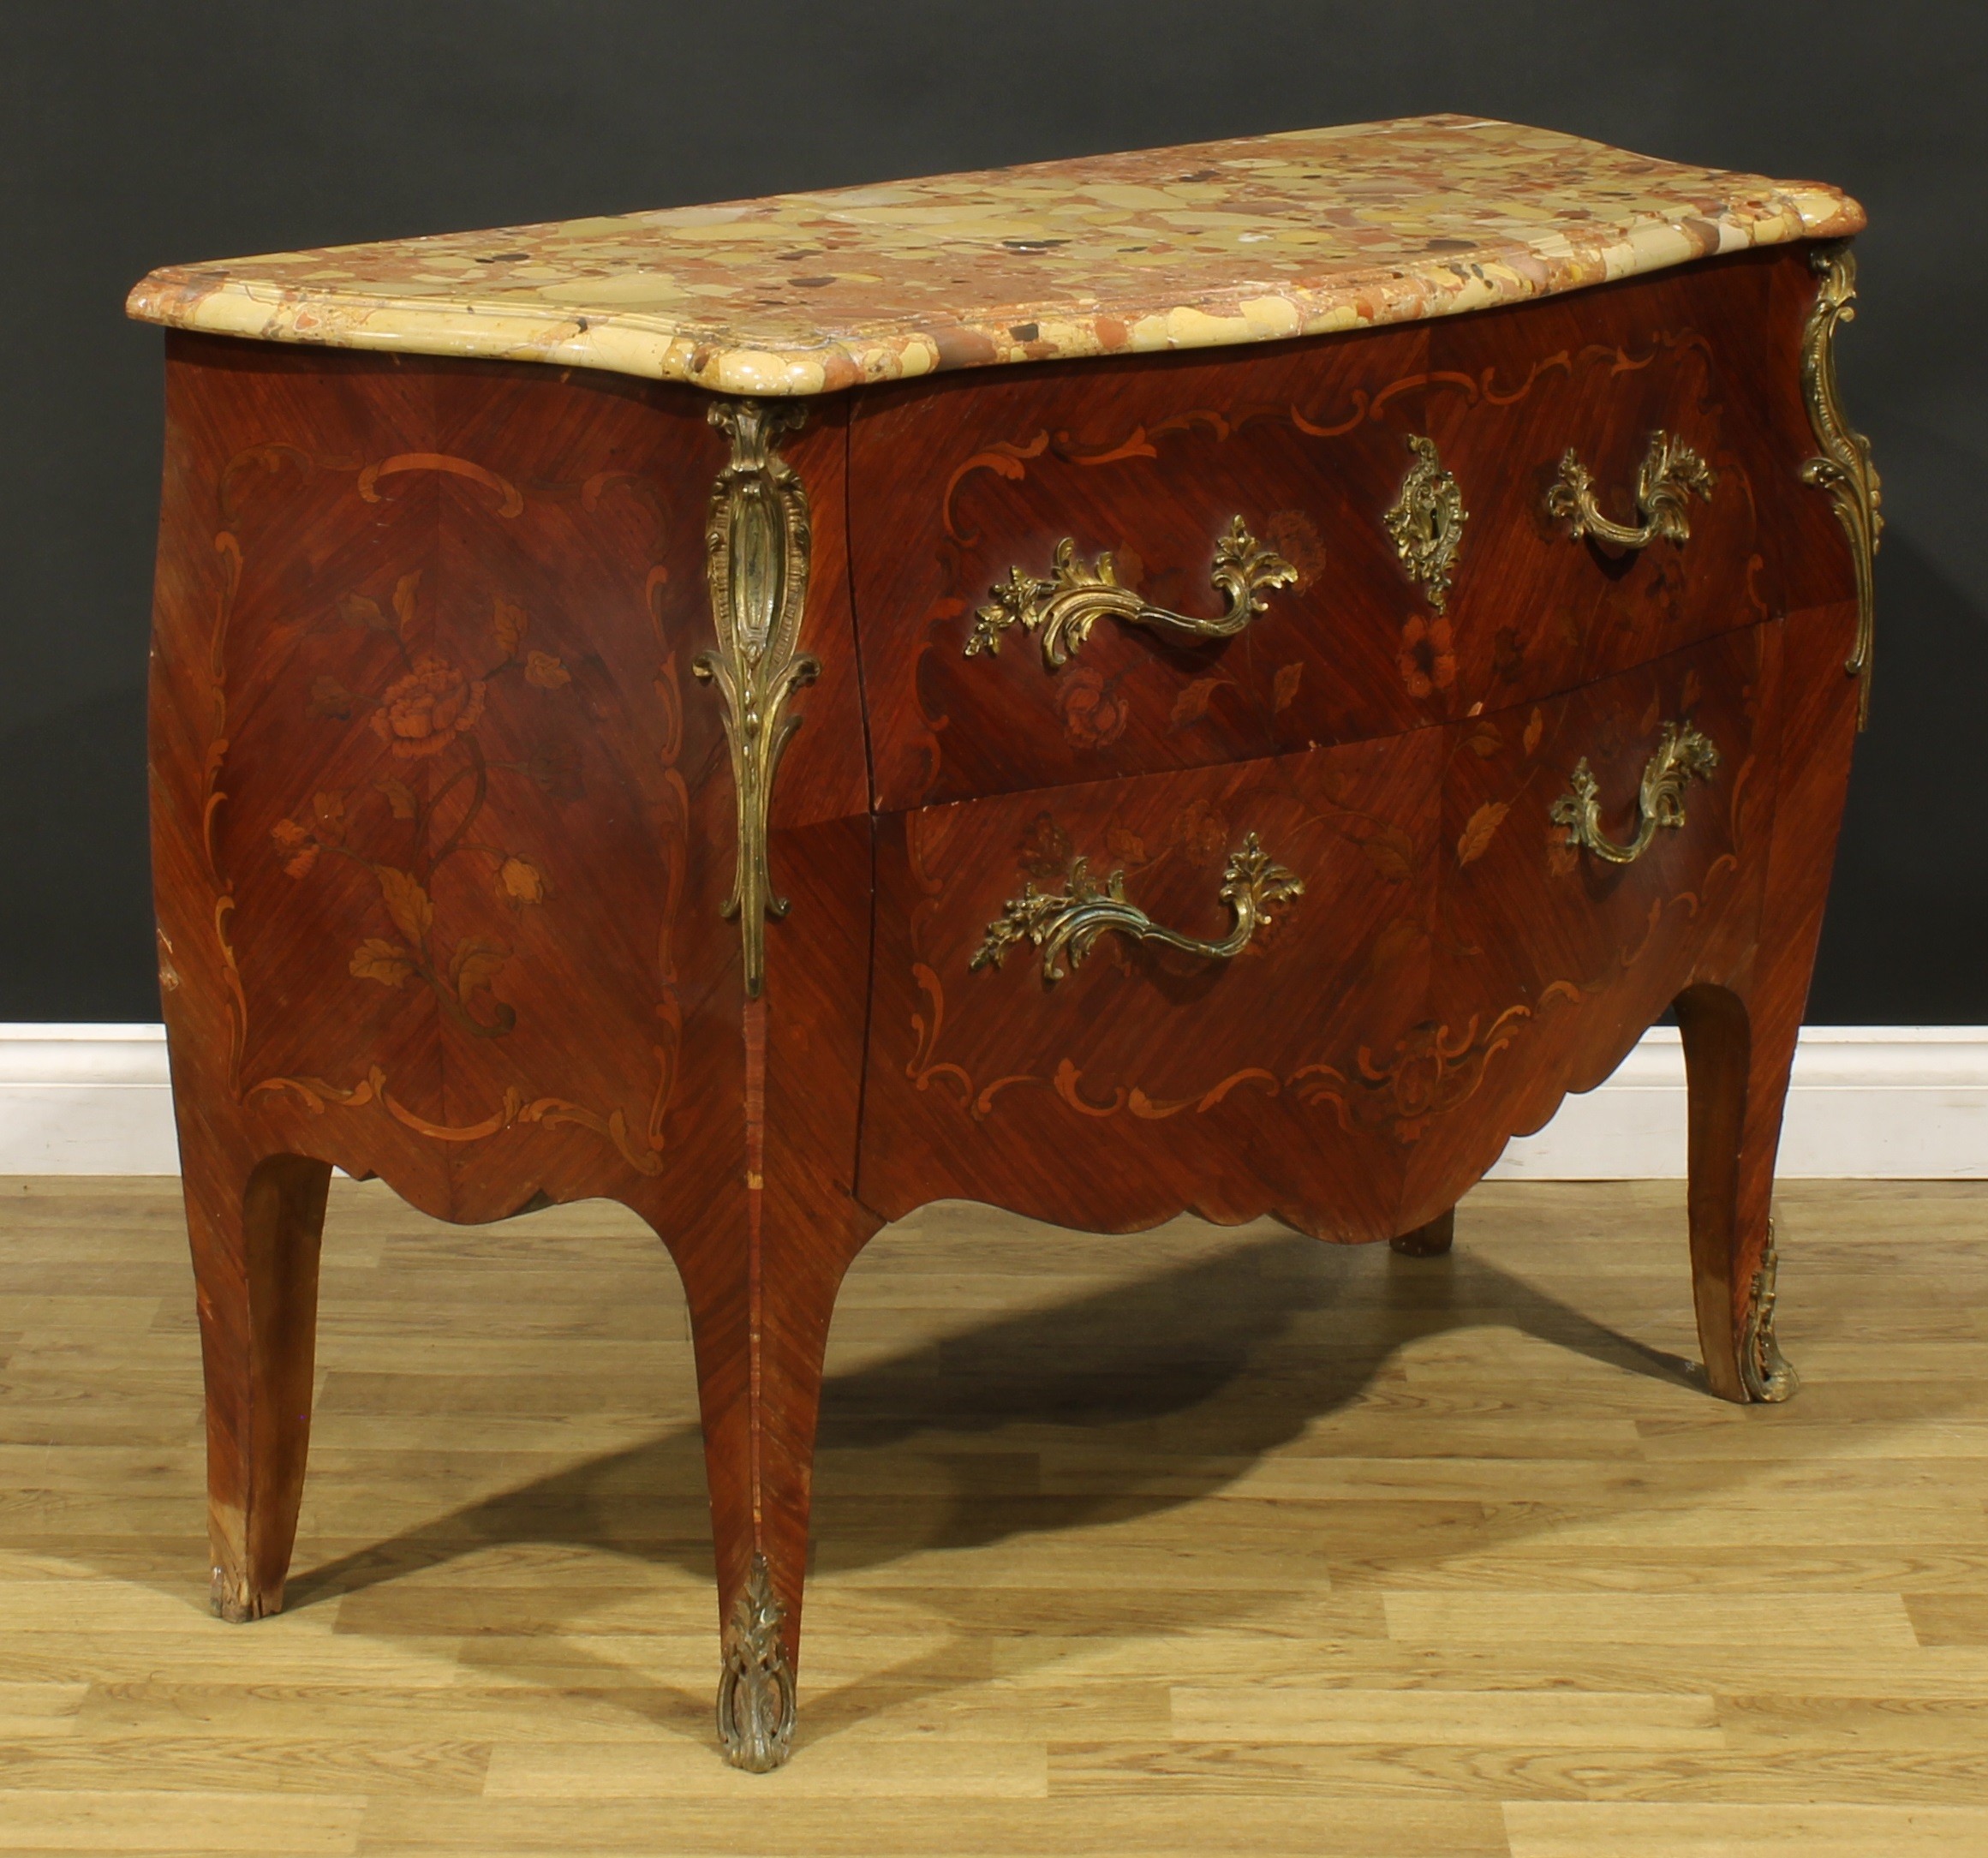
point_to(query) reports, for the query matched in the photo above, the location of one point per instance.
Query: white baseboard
(1892, 1102)
(1872, 1103)
(86, 1100)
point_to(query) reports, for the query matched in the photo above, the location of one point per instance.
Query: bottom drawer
(1448, 961)
(1555, 958)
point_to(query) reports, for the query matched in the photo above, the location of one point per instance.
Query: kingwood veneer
(595, 753)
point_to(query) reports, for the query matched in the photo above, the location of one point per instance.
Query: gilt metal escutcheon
(1426, 522)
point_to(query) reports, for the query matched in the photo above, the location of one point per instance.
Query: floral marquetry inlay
(428, 714)
(439, 753)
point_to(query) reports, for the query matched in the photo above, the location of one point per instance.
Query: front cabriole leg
(1739, 1034)
(761, 1274)
(1740, 1027)
(761, 1271)
(255, 1228)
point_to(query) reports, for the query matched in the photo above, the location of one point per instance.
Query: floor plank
(1198, 1542)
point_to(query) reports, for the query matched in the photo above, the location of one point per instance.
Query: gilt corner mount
(756, 547)
(1844, 469)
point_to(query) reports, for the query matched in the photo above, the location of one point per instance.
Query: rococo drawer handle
(1064, 607)
(1251, 884)
(1670, 472)
(1682, 756)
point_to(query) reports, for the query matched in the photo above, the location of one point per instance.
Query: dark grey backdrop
(137, 133)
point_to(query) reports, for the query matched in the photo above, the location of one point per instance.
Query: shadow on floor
(1169, 1388)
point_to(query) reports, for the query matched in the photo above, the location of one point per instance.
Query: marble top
(1193, 247)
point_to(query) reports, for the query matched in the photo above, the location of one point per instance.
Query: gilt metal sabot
(756, 1686)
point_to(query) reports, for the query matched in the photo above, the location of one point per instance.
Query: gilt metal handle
(1064, 607)
(1670, 472)
(1682, 756)
(1252, 883)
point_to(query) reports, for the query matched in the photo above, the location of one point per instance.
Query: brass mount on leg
(755, 1689)
(1764, 1371)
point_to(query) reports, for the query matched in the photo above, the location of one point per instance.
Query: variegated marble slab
(1193, 247)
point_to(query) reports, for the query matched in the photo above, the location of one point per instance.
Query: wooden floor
(1198, 1542)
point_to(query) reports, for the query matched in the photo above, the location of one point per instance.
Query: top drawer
(1707, 358)
(966, 487)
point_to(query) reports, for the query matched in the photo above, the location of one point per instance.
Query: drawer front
(959, 484)
(1712, 532)
(1676, 398)
(1148, 1078)
(1549, 957)
(1452, 965)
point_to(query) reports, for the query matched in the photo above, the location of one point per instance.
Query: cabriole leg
(255, 1235)
(1738, 1074)
(1430, 1242)
(1739, 1037)
(761, 1337)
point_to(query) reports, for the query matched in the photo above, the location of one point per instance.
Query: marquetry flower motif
(301, 840)
(520, 881)
(377, 959)
(1200, 833)
(1428, 656)
(1479, 829)
(1294, 535)
(403, 831)
(1435, 1068)
(1093, 712)
(546, 671)
(1046, 851)
(421, 714)
(298, 844)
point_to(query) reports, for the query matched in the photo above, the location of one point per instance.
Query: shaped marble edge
(1209, 244)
